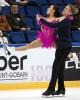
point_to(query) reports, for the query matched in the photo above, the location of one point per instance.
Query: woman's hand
(38, 17)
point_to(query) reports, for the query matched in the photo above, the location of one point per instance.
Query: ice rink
(71, 94)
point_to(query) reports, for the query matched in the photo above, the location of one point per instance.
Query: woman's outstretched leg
(34, 44)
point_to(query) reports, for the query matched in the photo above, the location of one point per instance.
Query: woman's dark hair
(57, 12)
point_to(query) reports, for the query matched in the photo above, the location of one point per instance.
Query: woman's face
(67, 11)
(50, 10)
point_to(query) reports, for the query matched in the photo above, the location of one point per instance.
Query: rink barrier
(39, 85)
(36, 85)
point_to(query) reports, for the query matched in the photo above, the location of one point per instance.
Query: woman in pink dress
(46, 37)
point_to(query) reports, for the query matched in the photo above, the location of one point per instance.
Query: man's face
(14, 9)
(67, 11)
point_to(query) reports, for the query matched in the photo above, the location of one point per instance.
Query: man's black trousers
(58, 69)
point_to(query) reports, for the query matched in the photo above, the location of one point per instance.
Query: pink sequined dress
(47, 35)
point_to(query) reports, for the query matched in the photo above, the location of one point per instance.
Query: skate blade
(50, 96)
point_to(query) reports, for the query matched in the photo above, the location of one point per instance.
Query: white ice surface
(71, 94)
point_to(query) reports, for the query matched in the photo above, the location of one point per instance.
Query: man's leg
(55, 68)
(62, 67)
(61, 86)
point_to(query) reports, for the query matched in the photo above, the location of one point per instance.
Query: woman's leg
(34, 44)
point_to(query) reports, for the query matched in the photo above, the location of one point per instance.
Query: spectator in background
(78, 3)
(25, 3)
(15, 20)
(3, 38)
(3, 3)
(4, 25)
(76, 21)
(28, 2)
(10, 2)
(22, 1)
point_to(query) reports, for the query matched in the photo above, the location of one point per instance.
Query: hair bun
(74, 9)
